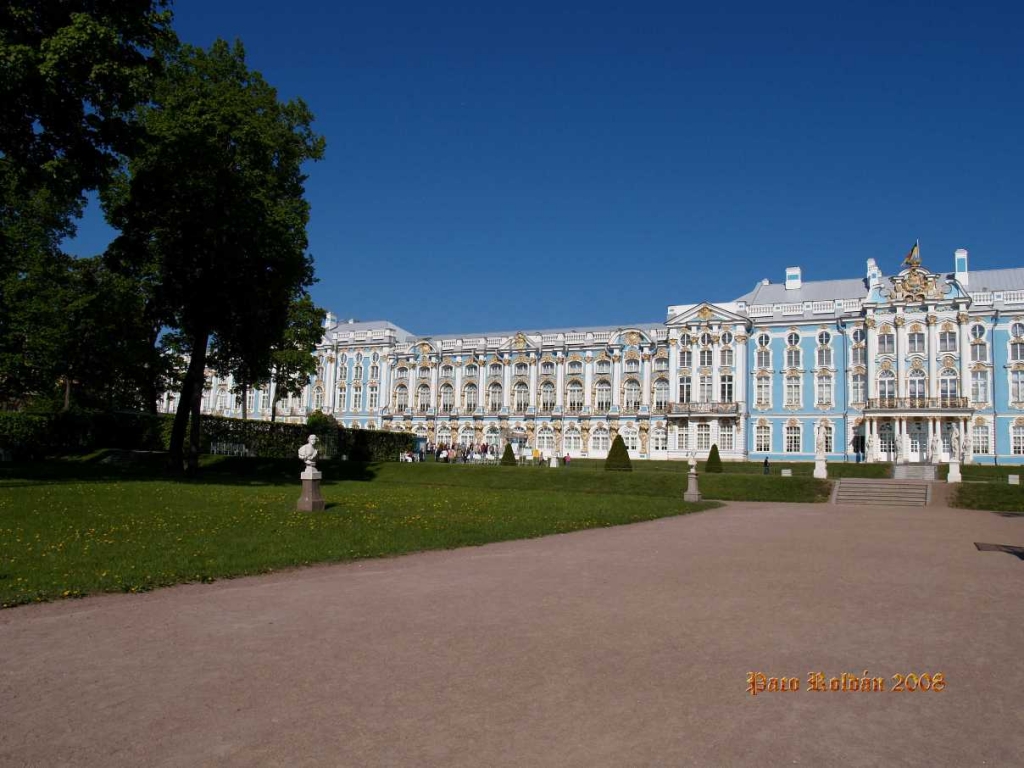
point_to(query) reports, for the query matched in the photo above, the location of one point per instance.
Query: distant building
(887, 366)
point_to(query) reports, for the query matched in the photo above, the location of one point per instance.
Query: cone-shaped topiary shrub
(714, 462)
(618, 457)
(508, 458)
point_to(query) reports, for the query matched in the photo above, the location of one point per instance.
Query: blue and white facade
(888, 366)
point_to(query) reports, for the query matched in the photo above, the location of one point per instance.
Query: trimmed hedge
(618, 457)
(30, 436)
(508, 458)
(714, 462)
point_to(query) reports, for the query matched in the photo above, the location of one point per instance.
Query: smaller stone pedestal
(692, 491)
(954, 472)
(311, 499)
(820, 470)
(553, 462)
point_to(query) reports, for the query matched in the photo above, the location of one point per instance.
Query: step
(881, 492)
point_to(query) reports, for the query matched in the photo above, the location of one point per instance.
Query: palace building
(888, 366)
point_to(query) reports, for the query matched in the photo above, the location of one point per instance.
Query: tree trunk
(245, 402)
(194, 433)
(191, 387)
(67, 394)
(273, 407)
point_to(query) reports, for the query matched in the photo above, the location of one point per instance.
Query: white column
(481, 386)
(560, 380)
(506, 393)
(739, 376)
(872, 341)
(965, 357)
(901, 353)
(588, 381)
(458, 388)
(616, 380)
(385, 380)
(673, 372)
(534, 365)
(933, 358)
(645, 363)
(434, 371)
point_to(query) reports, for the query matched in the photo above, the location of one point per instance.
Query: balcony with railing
(917, 403)
(688, 409)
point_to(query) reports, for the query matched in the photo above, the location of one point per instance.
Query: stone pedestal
(553, 462)
(692, 491)
(311, 500)
(954, 472)
(820, 470)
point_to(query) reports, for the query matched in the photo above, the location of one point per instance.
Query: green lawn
(70, 528)
(997, 497)
(799, 468)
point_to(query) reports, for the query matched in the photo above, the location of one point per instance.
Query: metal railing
(906, 403)
(688, 408)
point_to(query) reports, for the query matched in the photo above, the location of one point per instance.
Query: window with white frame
(979, 386)
(1017, 351)
(547, 368)
(685, 340)
(603, 367)
(631, 395)
(574, 397)
(683, 437)
(685, 389)
(575, 368)
(470, 393)
(547, 396)
(725, 356)
(825, 356)
(705, 339)
(1017, 386)
(603, 396)
(660, 364)
(948, 385)
(599, 440)
(495, 369)
(222, 399)
(726, 435)
(823, 392)
(659, 440)
(250, 400)
(859, 336)
(357, 399)
(1017, 330)
(521, 369)
(763, 391)
(727, 338)
(357, 373)
(917, 386)
(792, 439)
(793, 339)
(764, 357)
(374, 371)
(447, 398)
(703, 436)
(401, 398)
(707, 357)
(423, 398)
(725, 389)
(886, 343)
(886, 385)
(793, 395)
(706, 389)
(828, 434)
(661, 394)
(1018, 441)
(521, 394)
(424, 372)
(947, 341)
(402, 373)
(858, 388)
(685, 358)
(981, 440)
(472, 371)
(793, 357)
(447, 372)
(632, 366)
(763, 438)
(572, 439)
(545, 439)
(494, 398)
(492, 437)
(979, 352)
(915, 341)
(858, 355)
(631, 439)
(372, 397)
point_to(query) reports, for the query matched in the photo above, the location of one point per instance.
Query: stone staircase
(914, 472)
(881, 493)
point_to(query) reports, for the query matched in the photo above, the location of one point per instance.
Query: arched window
(661, 394)
(447, 372)
(599, 440)
(603, 366)
(547, 368)
(572, 440)
(423, 398)
(494, 397)
(824, 391)
(887, 386)
(424, 372)
(545, 439)
(632, 366)
(472, 371)
(659, 440)
(466, 437)
(575, 367)
(793, 394)
(631, 439)
(222, 399)
(793, 357)
(495, 369)
(401, 398)
(444, 435)
(631, 393)
(547, 396)
(471, 397)
(948, 389)
(522, 397)
(447, 398)
(574, 397)
(916, 386)
(318, 398)
(858, 388)
(603, 396)
(521, 369)
(492, 437)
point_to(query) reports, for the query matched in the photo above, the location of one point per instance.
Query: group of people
(454, 454)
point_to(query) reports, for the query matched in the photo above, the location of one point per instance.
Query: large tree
(212, 209)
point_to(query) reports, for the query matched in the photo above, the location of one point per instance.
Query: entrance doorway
(918, 441)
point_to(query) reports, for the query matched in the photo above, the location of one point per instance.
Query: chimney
(793, 280)
(960, 262)
(874, 274)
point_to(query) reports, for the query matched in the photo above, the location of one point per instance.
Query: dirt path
(617, 647)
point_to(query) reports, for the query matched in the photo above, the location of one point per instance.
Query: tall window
(764, 391)
(859, 388)
(599, 440)
(706, 389)
(948, 385)
(547, 396)
(495, 369)
(793, 357)
(374, 371)
(916, 386)
(424, 373)
(603, 367)
(472, 371)
(915, 342)
(703, 436)
(222, 399)
(763, 438)
(494, 396)
(401, 398)
(545, 439)
(572, 440)
(827, 429)
(372, 397)
(886, 343)
(522, 397)
(661, 364)
(725, 388)
(1017, 387)
(726, 435)
(1017, 351)
(357, 399)
(707, 357)
(793, 391)
(859, 356)
(947, 341)
(250, 400)
(447, 372)
(575, 368)
(981, 439)
(343, 398)
(318, 398)
(979, 352)
(792, 439)
(447, 398)
(725, 357)
(1018, 441)
(630, 438)
(887, 385)
(631, 394)
(574, 397)
(824, 357)
(471, 397)
(632, 366)
(659, 440)
(661, 394)
(979, 386)
(402, 373)
(764, 357)
(685, 393)
(521, 369)
(683, 437)
(423, 398)
(685, 358)
(824, 391)
(603, 392)
(547, 368)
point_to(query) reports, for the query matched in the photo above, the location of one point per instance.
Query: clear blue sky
(493, 166)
